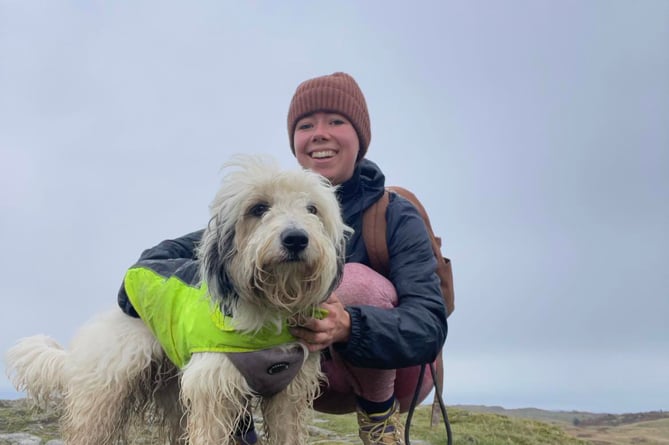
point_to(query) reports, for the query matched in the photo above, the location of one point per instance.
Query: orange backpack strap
(374, 237)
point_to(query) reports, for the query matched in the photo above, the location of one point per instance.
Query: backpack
(374, 238)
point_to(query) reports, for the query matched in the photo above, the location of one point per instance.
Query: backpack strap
(374, 234)
(423, 213)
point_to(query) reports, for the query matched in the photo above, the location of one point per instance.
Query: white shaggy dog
(271, 253)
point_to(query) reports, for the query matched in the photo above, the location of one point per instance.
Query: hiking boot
(381, 428)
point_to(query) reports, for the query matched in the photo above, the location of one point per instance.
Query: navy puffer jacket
(410, 334)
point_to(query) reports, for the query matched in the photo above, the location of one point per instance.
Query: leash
(414, 402)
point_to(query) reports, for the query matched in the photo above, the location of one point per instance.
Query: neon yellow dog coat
(184, 321)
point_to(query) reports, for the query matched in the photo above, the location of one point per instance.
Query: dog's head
(275, 243)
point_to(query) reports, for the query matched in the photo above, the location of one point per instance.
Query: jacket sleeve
(184, 247)
(414, 332)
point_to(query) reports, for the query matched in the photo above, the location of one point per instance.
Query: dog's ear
(214, 254)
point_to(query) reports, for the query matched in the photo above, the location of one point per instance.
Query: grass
(469, 428)
(494, 429)
(20, 417)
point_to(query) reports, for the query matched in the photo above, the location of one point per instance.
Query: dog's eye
(258, 210)
(312, 209)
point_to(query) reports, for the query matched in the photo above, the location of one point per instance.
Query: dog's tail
(36, 365)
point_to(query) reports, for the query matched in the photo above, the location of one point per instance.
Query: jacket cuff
(124, 302)
(354, 337)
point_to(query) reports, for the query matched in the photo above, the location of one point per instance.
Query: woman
(374, 326)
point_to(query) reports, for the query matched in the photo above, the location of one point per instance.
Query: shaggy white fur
(273, 249)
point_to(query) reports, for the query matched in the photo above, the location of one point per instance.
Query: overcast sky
(535, 132)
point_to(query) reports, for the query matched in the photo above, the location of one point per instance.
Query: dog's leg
(169, 415)
(286, 415)
(214, 395)
(111, 363)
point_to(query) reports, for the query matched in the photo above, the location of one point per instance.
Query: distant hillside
(623, 419)
(649, 428)
(577, 418)
(535, 413)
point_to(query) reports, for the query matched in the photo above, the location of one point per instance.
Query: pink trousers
(363, 286)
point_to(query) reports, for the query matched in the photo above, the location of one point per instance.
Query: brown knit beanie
(338, 93)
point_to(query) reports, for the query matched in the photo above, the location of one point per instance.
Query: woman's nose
(320, 131)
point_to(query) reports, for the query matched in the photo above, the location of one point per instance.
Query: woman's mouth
(322, 154)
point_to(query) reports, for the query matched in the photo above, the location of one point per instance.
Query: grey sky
(535, 132)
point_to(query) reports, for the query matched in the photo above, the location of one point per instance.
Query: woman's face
(327, 143)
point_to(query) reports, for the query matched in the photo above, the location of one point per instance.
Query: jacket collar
(363, 189)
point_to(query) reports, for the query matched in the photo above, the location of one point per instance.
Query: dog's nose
(294, 240)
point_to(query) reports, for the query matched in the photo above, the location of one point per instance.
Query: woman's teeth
(323, 154)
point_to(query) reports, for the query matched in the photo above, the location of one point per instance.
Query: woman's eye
(304, 126)
(312, 209)
(258, 210)
(338, 122)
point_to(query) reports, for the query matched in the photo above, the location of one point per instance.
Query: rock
(20, 439)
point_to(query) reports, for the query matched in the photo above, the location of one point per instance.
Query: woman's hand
(319, 334)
